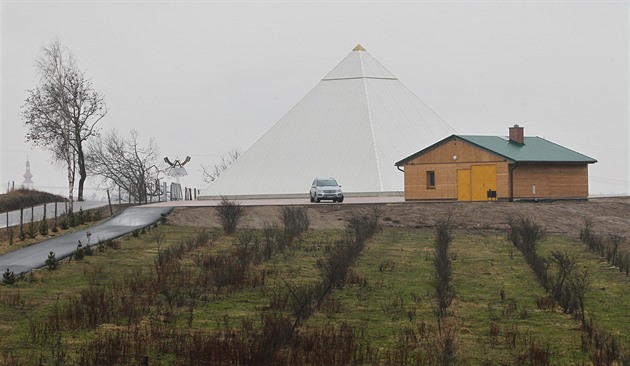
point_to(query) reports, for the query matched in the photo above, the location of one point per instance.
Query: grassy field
(175, 295)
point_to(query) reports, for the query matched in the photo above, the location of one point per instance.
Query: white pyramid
(354, 125)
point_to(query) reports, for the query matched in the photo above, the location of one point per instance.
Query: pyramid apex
(358, 48)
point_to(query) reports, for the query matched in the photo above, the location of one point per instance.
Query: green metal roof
(535, 149)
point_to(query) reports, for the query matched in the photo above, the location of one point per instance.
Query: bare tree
(125, 163)
(61, 113)
(211, 173)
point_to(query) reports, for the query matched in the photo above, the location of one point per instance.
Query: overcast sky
(204, 77)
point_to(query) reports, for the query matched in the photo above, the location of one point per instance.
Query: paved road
(34, 256)
(281, 201)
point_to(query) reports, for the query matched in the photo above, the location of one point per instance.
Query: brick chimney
(517, 135)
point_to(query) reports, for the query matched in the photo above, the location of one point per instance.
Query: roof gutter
(511, 174)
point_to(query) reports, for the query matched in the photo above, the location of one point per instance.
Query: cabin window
(430, 179)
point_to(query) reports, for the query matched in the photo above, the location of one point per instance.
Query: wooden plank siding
(445, 160)
(453, 159)
(551, 181)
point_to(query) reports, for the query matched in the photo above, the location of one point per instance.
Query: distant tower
(28, 182)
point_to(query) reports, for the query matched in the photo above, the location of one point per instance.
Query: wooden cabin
(479, 168)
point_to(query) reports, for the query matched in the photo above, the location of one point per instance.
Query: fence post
(21, 220)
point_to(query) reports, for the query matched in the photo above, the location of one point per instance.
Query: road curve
(34, 256)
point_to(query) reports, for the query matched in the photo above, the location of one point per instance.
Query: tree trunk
(82, 171)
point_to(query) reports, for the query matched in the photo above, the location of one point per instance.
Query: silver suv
(326, 189)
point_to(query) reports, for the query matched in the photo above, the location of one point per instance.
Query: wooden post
(21, 220)
(111, 212)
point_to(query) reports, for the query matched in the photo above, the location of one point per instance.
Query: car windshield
(326, 183)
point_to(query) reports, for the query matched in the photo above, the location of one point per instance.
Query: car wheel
(340, 199)
(317, 200)
(312, 199)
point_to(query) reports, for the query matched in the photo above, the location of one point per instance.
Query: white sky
(203, 77)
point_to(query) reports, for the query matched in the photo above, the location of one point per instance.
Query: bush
(444, 291)
(52, 262)
(230, 213)
(72, 220)
(81, 218)
(295, 220)
(32, 230)
(43, 228)
(88, 250)
(8, 277)
(63, 222)
(79, 253)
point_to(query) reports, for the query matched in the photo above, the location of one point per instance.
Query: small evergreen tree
(52, 262)
(43, 228)
(32, 230)
(8, 277)
(79, 253)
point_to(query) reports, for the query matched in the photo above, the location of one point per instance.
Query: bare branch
(125, 163)
(211, 173)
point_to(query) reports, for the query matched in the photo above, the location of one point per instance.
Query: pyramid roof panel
(351, 128)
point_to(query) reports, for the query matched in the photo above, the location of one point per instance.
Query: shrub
(81, 218)
(230, 213)
(8, 277)
(525, 233)
(52, 262)
(112, 244)
(63, 222)
(79, 253)
(43, 228)
(295, 220)
(88, 250)
(32, 230)
(443, 289)
(72, 220)
(163, 218)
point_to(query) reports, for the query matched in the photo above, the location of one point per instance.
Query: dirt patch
(560, 217)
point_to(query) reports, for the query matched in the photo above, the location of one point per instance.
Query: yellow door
(463, 185)
(483, 178)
